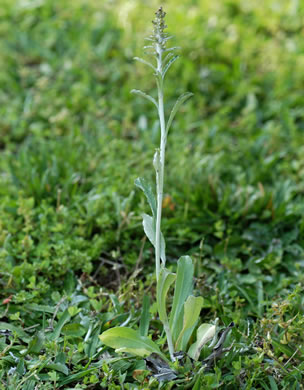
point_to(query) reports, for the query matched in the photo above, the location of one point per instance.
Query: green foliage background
(73, 139)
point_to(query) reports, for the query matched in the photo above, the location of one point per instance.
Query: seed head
(159, 36)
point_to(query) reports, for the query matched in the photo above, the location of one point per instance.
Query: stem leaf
(176, 107)
(171, 49)
(145, 186)
(149, 228)
(170, 62)
(145, 62)
(144, 95)
(166, 278)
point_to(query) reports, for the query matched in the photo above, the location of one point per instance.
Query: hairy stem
(160, 182)
(170, 341)
(160, 179)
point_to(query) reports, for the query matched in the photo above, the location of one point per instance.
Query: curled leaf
(145, 62)
(204, 334)
(219, 348)
(160, 368)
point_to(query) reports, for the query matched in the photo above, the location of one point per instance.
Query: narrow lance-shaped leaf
(128, 340)
(171, 49)
(192, 308)
(260, 295)
(145, 186)
(149, 228)
(169, 63)
(144, 95)
(176, 107)
(165, 280)
(145, 62)
(204, 334)
(183, 288)
(167, 58)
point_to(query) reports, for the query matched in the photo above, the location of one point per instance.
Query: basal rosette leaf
(124, 339)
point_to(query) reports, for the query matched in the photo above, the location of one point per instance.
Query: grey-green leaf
(176, 107)
(183, 288)
(128, 340)
(149, 228)
(144, 95)
(145, 62)
(169, 63)
(166, 278)
(204, 334)
(145, 186)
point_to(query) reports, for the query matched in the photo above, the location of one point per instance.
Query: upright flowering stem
(152, 225)
(160, 188)
(160, 39)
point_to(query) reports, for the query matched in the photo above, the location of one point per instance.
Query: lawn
(74, 259)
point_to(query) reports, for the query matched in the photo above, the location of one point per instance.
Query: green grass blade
(145, 316)
(260, 295)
